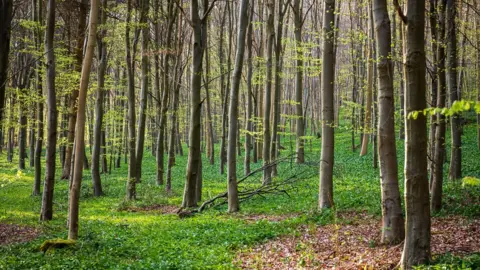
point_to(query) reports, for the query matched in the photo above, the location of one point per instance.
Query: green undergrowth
(111, 237)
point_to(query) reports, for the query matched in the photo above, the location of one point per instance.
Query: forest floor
(273, 231)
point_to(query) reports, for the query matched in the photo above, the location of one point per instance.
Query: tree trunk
(248, 119)
(6, 14)
(47, 198)
(143, 95)
(39, 89)
(194, 155)
(369, 98)
(72, 110)
(80, 128)
(267, 178)
(297, 7)
(439, 154)
(417, 229)
(456, 153)
(131, 178)
(328, 77)
(233, 203)
(393, 230)
(100, 93)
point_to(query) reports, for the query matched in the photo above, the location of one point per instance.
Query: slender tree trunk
(80, 128)
(209, 136)
(100, 93)
(248, 119)
(369, 97)
(233, 203)
(39, 89)
(144, 92)
(47, 198)
(72, 110)
(417, 229)
(478, 72)
(392, 216)
(439, 155)
(456, 153)
(131, 178)
(328, 77)
(297, 7)
(433, 118)
(267, 178)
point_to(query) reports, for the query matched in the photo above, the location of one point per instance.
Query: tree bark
(417, 229)
(248, 119)
(131, 178)
(233, 203)
(439, 154)
(328, 136)
(39, 89)
(267, 178)
(80, 128)
(47, 198)
(144, 5)
(393, 230)
(6, 9)
(100, 94)
(300, 144)
(456, 153)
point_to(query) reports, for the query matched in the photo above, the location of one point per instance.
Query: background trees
(163, 79)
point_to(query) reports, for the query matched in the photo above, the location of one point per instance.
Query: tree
(99, 106)
(417, 229)
(194, 156)
(38, 85)
(233, 203)
(6, 9)
(144, 4)
(80, 128)
(392, 216)
(297, 11)
(267, 178)
(452, 64)
(439, 154)
(328, 136)
(248, 118)
(131, 178)
(47, 198)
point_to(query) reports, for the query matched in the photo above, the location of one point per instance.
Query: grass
(110, 238)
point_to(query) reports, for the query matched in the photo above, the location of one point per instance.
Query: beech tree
(417, 209)
(328, 77)
(392, 216)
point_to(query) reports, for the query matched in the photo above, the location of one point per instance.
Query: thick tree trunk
(233, 203)
(6, 9)
(417, 233)
(456, 153)
(80, 128)
(194, 156)
(393, 230)
(328, 77)
(100, 94)
(478, 73)
(72, 110)
(47, 198)
(144, 92)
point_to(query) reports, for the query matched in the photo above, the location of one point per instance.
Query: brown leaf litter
(355, 245)
(14, 234)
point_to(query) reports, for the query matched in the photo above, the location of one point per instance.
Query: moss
(56, 243)
(470, 181)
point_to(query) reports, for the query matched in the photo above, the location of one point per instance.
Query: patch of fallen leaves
(14, 234)
(157, 208)
(355, 245)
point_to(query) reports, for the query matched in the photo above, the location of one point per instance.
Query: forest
(239, 134)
